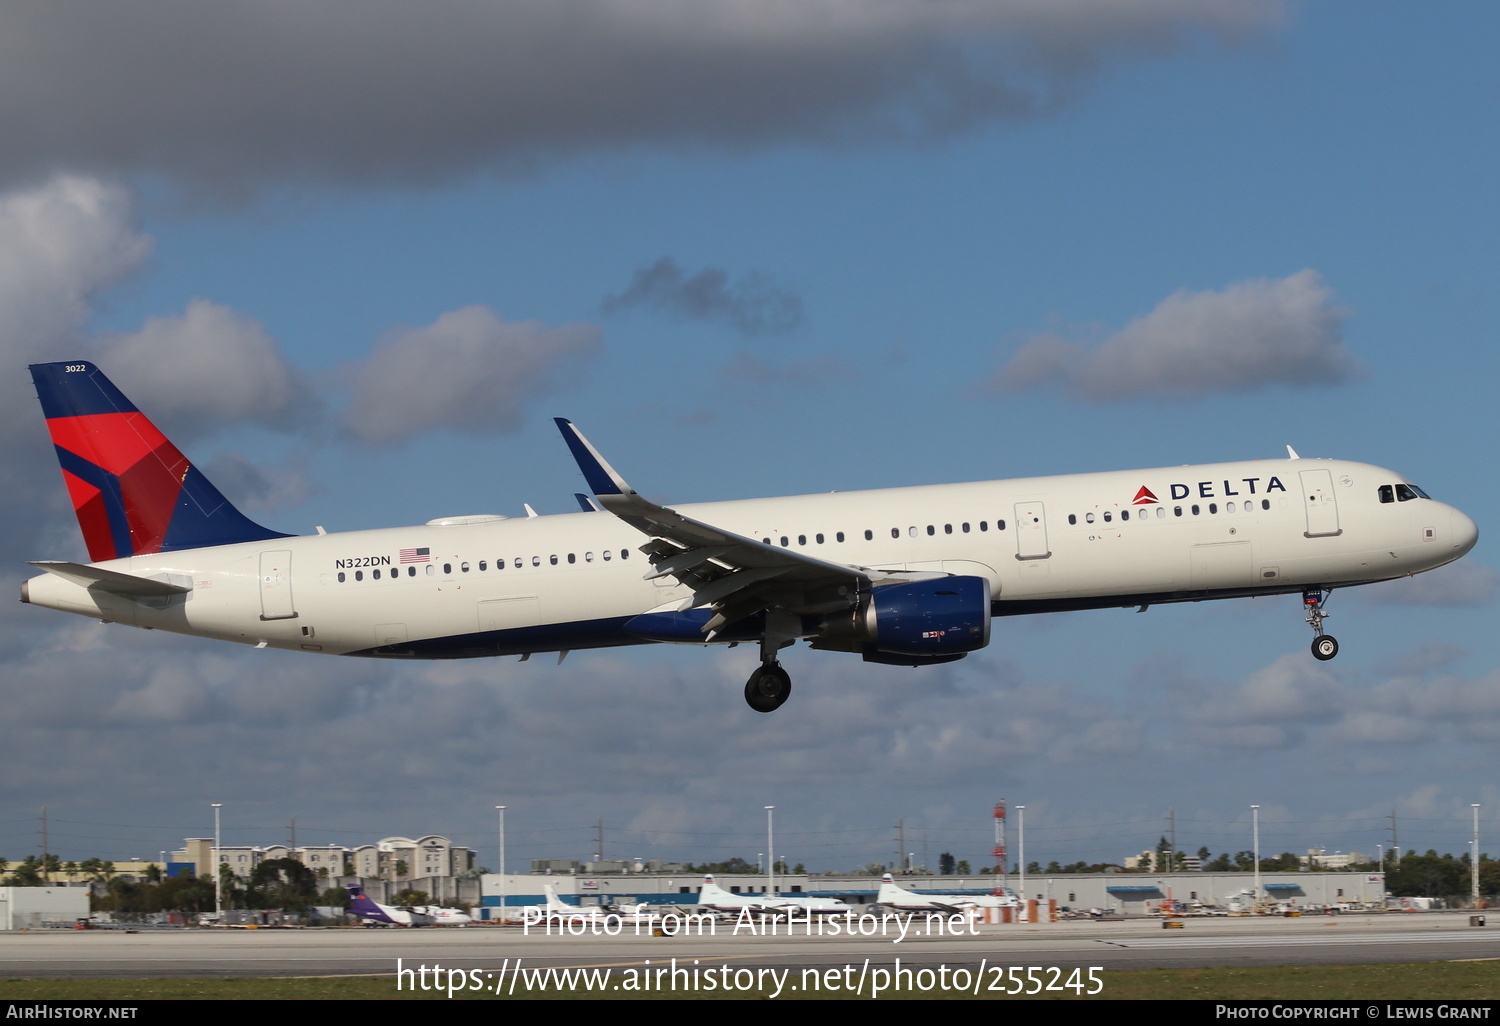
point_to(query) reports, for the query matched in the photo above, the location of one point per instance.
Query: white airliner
(717, 898)
(906, 576)
(899, 898)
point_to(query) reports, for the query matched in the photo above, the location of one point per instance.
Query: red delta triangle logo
(1144, 497)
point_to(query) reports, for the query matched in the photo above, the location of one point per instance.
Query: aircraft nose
(1462, 530)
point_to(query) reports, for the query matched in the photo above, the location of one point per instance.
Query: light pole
(1474, 868)
(218, 864)
(1255, 819)
(770, 848)
(1021, 827)
(501, 810)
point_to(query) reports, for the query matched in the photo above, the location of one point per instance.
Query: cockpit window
(1387, 493)
(1405, 493)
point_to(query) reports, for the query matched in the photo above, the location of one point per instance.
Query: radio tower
(1002, 861)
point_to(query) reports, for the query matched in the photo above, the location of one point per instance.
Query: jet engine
(913, 624)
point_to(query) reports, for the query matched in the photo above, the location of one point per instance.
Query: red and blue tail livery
(134, 493)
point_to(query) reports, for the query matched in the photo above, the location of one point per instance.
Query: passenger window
(1161, 512)
(411, 571)
(785, 541)
(624, 553)
(869, 536)
(374, 575)
(572, 558)
(1124, 514)
(801, 539)
(1195, 509)
(1265, 503)
(464, 567)
(819, 539)
(1228, 507)
(839, 536)
(1108, 516)
(930, 531)
(947, 528)
(481, 566)
(552, 559)
(999, 525)
(984, 525)
(912, 531)
(966, 529)
(588, 557)
(1213, 507)
(1073, 518)
(536, 560)
(1088, 518)
(341, 577)
(607, 554)
(895, 532)
(1177, 511)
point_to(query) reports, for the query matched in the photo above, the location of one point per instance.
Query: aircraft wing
(735, 575)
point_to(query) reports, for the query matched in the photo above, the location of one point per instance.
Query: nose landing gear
(1324, 646)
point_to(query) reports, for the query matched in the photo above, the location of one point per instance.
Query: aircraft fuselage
(485, 586)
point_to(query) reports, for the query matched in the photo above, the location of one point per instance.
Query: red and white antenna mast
(1002, 862)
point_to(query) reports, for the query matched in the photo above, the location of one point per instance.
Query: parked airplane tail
(134, 493)
(362, 906)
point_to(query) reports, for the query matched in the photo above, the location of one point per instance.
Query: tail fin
(133, 491)
(363, 906)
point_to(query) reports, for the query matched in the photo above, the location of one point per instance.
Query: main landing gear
(768, 687)
(1324, 646)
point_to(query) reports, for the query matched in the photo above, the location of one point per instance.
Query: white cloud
(60, 243)
(467, 371)
(1251, 335)
(1292, 690)
(208, 367)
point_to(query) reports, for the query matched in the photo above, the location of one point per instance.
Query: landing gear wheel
(1325, 647)
(767, 688)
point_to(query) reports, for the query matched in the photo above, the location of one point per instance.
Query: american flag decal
(416, 555)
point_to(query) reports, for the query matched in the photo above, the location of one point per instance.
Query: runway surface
(1421, 937)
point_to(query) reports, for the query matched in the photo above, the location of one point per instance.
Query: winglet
(1291, 453)
(602, 478)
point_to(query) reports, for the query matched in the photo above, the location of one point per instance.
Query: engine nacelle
(928, 620)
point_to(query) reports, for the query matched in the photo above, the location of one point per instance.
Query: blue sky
(759, 249)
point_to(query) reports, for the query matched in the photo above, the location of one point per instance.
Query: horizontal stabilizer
(111, 581)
